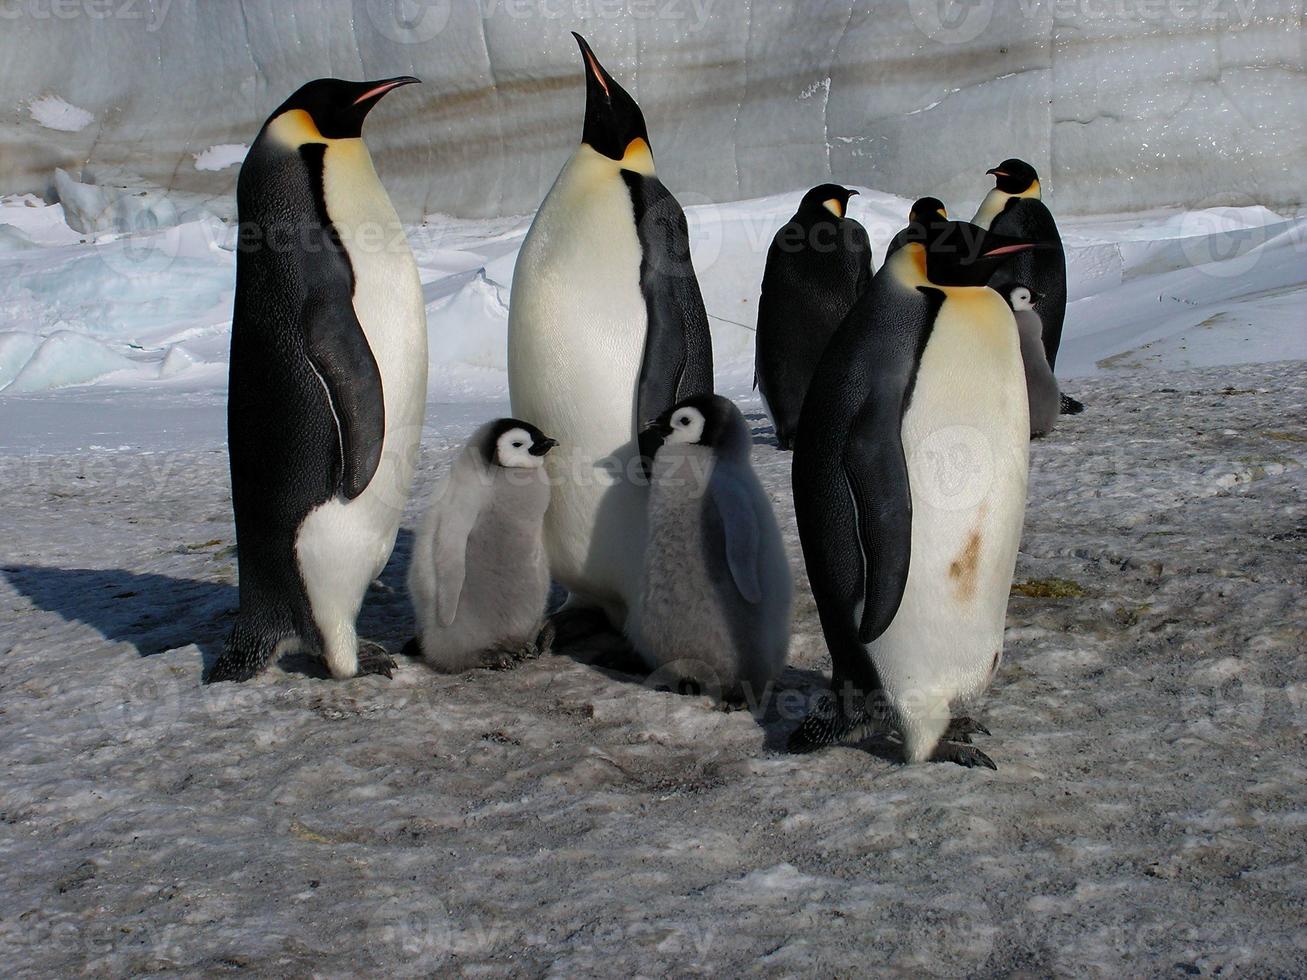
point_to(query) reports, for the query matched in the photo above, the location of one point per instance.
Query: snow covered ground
(1149, 720)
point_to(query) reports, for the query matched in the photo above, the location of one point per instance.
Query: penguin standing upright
(327, 382)
(1041, 386)
(479, 579)
(1014, 208)
(714, 602)
(606, 331)
(818, 265)
(909, 491)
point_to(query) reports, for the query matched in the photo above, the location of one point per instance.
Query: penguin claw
(373, 659)
(1069, 406)
(964, 755)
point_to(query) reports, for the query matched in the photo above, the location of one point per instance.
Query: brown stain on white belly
(965, 567)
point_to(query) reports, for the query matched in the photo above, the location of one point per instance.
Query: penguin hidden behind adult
(923, 209)
(818, 265)
(1041, 386)
(714, 604)
(479, 579)
(327, 382)
(606, 331)
(909, 490)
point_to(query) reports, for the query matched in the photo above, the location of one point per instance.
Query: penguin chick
(714, 601)
(1041, 386)
(479, 579)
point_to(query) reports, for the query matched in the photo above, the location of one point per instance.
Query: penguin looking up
(818, 265)
(1041, 386)
(923, 209)
(909, 492)
(479, 580)
(606, 331)
(714, 603)
(327, 382)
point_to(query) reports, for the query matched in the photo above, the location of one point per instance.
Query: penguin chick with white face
(479, 578)
(714, 601)
(1041, 386)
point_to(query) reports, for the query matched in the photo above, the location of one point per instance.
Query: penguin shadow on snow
(157, 613)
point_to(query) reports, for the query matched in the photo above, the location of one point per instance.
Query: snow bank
(1222, 286)
(1122, 106)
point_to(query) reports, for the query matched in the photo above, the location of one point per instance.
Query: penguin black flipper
(339, 352)
(678, 347)
(866, 376)
(1043, 270)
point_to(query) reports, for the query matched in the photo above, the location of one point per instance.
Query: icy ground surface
(140, 297)
(1149, 725)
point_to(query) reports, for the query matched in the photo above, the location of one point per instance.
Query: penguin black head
(515, 444)
(959, 253)
(337, 107)
(1020, 296)
(927, 209)
(612, 119)
(826, 197)
(703, 420)
(1014, 176)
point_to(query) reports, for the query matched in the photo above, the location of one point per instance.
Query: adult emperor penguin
(1013, 207)
(714, 602)
(818, 264)
(909, 489)
(479, 579)
(327, 383)
(923, 209)
(606, 331)
(1041, 386)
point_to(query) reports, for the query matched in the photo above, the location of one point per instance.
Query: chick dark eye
(685, 420)
(517, 445)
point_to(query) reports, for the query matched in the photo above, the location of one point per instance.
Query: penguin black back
(818, 265)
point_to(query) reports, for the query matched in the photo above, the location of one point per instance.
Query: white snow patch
(53, 112)
(221, 156)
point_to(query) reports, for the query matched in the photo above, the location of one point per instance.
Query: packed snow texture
(1148, 721)
(1121, 106)
(145, 286)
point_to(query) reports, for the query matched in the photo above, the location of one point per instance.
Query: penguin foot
(545, 639)
(246, 653)
(506, 656)
(964, 755)
(1070, 406)
(961, 730)
(831, 722)
(231, 669)
(373, 659)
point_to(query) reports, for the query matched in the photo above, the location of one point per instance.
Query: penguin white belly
(576, 339)
(966, 438)
(344, 544)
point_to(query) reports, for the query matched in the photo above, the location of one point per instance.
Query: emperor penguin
(923, 209)
(606, 331)
(1041, 386)
(1013, 207)
(909, 484)
(479, 580)
(818, 264)
(714, 603)
(327, 382)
